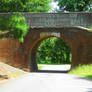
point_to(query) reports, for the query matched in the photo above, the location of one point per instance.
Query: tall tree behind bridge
(75, 5)
(24, 5)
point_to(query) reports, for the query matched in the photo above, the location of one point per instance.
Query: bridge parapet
(57, 19)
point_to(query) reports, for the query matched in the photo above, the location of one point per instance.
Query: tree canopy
(75, 5)
(24, 5)
(54, 51)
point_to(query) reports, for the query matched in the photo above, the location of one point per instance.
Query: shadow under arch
(33, 63)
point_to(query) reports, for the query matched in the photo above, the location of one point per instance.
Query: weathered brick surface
(79, 40)
(24, 55)
(8, 48)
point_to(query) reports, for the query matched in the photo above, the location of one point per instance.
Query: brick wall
(24, 55)
(7, 49)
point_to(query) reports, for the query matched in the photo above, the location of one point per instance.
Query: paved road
(56, 67)
(47, 82)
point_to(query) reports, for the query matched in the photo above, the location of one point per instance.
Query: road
(56, 67)
(47, 82)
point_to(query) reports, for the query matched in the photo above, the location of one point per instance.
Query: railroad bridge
(71, 27)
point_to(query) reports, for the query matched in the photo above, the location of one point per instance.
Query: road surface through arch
(55, 67)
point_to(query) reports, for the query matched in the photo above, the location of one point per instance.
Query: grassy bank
(83, 71)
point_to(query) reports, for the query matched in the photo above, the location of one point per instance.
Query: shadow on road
(84, 78)
(89, 90)
(52, 71)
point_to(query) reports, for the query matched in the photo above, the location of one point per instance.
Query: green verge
(83, 71)
(40, 67)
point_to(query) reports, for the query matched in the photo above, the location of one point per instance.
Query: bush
(83, 70)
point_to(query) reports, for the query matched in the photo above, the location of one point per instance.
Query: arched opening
(53, 54)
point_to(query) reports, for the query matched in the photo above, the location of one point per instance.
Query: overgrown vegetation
(54, 51)
(83, 71)
(14, 26)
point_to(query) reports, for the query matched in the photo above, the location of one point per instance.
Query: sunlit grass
(13, 74)
(40, 67)
(83, 71)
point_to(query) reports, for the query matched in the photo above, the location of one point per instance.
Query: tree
(14, 26)
(16, 23)
(24, 5)
(53, 51)
(74, 5)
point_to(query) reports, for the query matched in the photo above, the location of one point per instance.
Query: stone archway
(33, 58)
(34, 61)
(79, 40)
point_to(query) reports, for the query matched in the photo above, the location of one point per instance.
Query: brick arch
(79, 40)
(33, 58)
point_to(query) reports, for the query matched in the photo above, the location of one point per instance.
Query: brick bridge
(72, 27)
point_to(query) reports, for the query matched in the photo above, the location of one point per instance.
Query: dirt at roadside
(8, 72)
(3, 74)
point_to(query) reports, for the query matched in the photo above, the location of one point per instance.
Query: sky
(54, 6)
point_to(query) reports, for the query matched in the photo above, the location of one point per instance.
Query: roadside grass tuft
(40, 67)
(13, 74)
(83, 71)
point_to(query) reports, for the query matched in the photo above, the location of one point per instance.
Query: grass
(13, 74)
(40, 67)
(83, 71)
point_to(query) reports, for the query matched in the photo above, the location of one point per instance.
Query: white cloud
(54, 5)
